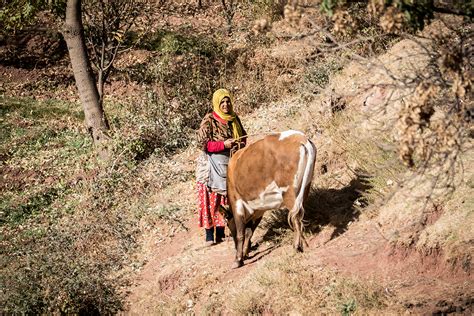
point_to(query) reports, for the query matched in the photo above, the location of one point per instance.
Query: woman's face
(225, 105)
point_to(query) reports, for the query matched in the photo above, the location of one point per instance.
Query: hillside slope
(380, 240)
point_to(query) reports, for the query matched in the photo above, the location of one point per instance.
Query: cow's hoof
(237, 264)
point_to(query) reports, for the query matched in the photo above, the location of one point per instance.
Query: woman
(220, 133)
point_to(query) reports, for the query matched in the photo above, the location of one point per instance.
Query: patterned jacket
(211, 130)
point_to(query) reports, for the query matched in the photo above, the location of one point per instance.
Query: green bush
(154, 126)
(272, 9)
(179, 43)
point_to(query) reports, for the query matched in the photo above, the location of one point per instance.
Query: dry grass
(291, 285)
(371, 154)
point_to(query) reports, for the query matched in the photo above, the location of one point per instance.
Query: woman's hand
(228, 143)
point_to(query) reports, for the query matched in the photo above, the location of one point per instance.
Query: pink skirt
(208, 211)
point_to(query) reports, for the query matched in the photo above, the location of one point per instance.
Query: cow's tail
(305, 176)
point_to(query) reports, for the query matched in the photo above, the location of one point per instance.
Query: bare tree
(103, 33)
(106, 25)
(95, 118)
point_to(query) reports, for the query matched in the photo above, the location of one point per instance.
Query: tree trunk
(95, 118)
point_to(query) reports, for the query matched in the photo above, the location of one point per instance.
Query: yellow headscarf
(217, 97)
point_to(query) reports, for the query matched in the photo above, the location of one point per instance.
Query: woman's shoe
(209, 237)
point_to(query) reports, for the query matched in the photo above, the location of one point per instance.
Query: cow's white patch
(240, 207)
(289, 133)
(270, 198)
(300, 171)
(305, 171)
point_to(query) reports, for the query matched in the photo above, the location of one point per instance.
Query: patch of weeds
(36, 140)
(379, 43)
(171, 214)
(349, 295)
(9, 131)
(36, 204)
(166, 213)
(149, 72)
(76, 143)
(373, 154)
(32, 109)
(54, 279)
(265, 8)
(248, 304)
(42, 150)
(278, 230)
(27, 125)
(156, 127)
(175, 43)
(318, 73)
(381, 164)
(49, 81)
(348, 307)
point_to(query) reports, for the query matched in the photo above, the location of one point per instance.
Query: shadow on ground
(335, 207)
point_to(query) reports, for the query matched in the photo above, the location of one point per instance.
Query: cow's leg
(297, 222)
(239, 241)
(298, 228)
(238, 210)
(247, 237)
(249, 230)
(233, 230)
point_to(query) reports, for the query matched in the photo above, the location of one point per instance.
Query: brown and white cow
(274, 172)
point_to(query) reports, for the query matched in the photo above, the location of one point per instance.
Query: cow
(272, 173)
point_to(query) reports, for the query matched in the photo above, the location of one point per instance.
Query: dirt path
(185, 265)
(179, 265)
